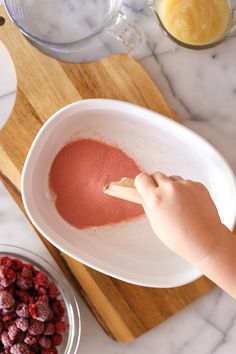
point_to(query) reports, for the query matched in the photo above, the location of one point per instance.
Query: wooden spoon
(123, 189)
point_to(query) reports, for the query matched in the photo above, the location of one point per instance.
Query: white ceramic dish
(128, 251)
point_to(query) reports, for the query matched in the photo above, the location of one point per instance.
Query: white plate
(128, 251)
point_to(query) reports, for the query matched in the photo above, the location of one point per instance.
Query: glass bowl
(71, 338)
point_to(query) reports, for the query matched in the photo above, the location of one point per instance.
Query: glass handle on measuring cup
(234, 12)
(233, 27)
(126, 32)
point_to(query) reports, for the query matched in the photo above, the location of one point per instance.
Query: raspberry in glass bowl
(39, 311)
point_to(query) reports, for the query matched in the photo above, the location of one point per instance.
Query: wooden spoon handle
(123, 189)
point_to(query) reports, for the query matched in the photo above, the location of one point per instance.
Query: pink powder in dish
(77, 176)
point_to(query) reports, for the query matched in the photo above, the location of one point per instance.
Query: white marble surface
(7, 84)
(201, 88)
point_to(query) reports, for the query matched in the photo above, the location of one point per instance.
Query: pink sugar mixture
(77, 176)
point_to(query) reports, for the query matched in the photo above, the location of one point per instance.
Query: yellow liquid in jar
(195, 22)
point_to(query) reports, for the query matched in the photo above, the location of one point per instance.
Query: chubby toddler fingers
(160, 178)
(176, 178)
(145, 184)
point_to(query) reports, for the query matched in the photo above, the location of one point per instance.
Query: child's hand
(181, 213)
(185, 218)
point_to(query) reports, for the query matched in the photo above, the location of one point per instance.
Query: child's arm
(185, 218)
(220, 264)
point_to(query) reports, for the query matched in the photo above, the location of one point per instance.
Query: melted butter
(195, 22)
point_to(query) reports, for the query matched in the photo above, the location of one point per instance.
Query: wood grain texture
(44, 85)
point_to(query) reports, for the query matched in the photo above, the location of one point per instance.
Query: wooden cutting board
(44, 85)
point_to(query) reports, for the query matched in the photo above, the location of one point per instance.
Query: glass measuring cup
(70, 29)
(155, 6)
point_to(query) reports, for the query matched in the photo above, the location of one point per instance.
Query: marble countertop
(201, 88)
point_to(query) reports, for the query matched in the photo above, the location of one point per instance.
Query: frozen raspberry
(16, 264)
(22, 324)
(7, 261)
(60, 327)
(39, 310)
(52, 350)
(8, 276)
(23, 283)
(6, 341)
(57, 340)
(30, 340)
(8, 311)
(20, 349)
(49, 329)
(42, 291)
(6, 300)
(58, 309)
(53, 292)
(5, 283)
(45, 342)
(13, 331)
(1, 327)
(22, 310)
(44, 298)
(36, 327)
(27, 271)
(41, 279)
(11, 289)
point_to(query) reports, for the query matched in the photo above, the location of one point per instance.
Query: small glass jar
(155, 6)
(71, 338)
